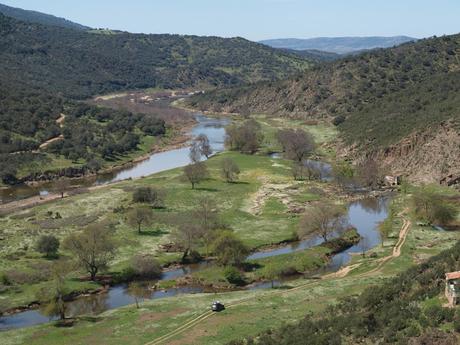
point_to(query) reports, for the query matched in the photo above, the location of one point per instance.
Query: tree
(431, 207)
(343, 173)
(93, 248)
(186, 236)
(195, 173)
(229, 249)
(207, 217)
(145, 266)
(322, 220)
(139, 216)
(296, 143)
(200, 147)
(48, 245)
(204, 145)
(306, 169)
(139, 291)
(370, 174)
(149, 195)
(61, 186)
(52, 297)
(245, 138)
(230, 170)
(386, 227)
(272, 272)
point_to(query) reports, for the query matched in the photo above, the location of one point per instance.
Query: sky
(260, 19)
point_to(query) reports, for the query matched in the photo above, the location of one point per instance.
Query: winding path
(396, 252)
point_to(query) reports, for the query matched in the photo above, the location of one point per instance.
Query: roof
(453, 275)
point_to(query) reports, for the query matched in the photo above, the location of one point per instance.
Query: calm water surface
(364, 215)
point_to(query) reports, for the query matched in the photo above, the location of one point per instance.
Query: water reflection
(213, 128)
(363, 214)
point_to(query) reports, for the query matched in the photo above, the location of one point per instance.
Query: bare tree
(230, 170)
(322, 220)
(186, 236)
(370, 174)
(139, 291)
(205, 145)
(52, 297)
(139, 216)
(195, 173)
(200, 147)
(296, 143)
(94, 247)
(61, 186)
(207, 216)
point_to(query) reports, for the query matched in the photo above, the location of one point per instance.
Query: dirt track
(396, 252)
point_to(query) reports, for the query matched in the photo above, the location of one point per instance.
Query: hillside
(80, 64)
(313, 54)
(39, 18)
(45, 68)
(378, 98)
(338, 45)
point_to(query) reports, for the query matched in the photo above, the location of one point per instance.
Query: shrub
(149, 195)
(48, 245)
(146, 266)
(233, 275)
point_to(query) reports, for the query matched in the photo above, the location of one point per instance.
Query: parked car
(217, 306)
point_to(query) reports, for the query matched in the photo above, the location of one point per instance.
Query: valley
(206, 188)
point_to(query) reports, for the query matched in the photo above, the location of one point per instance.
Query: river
(213, 128)
(364, 214)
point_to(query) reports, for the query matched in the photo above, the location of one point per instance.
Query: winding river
(212, 127)
(364, 215)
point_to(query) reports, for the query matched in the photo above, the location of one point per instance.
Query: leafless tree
(296, 143)
(61, 186)
(370, 174)
(230, 170)
(195, 173)
(186, 236)
(200, 147)
(94, 247)
(323, 220)
(140, 215)
(207, 216)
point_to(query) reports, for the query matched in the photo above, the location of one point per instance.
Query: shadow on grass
(238, 182)
(207, 189)
(154, 233)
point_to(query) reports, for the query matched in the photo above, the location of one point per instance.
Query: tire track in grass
(337, 275)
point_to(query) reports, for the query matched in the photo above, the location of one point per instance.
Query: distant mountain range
(338, 45)
(39, 18)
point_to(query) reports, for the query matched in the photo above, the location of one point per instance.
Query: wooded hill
(377, 98)
(38, 17)
(45, 68)
(79, 63)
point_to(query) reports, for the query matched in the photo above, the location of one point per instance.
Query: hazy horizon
(260, 19)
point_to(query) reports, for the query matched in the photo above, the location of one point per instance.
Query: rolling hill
(338, 45)
(45, 68)
(39, 18)
(79, 63)
(388, 103)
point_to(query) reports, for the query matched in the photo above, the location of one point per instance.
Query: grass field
(186, 320)
(260, 209)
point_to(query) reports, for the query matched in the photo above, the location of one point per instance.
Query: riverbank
(186, 319)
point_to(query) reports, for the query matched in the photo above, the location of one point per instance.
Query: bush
(233, 275)
(48, 245)
(145, 266)
(149, 195)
